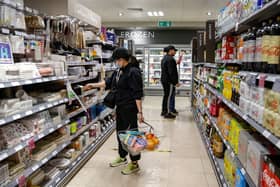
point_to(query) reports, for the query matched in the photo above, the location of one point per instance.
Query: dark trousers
(126, 119)
(168, 100)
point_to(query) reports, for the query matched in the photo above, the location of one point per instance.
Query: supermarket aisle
(187, 165)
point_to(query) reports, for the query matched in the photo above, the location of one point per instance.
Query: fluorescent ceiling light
(160, 13)
(155, 13)
(209, 13)
(120, 14)
(150, 14)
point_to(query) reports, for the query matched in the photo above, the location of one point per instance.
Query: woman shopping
(127, 81)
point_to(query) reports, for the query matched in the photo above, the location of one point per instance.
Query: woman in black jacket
(128, 82)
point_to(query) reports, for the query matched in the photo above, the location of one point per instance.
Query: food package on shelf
(5, 17)
(34, 22)
(50, 171)
(17, 43)
(46, 69)
(18, 71)
(76, 71)
(270, 171)
(272, 101)
(271, 121)
(43, 148)
(245, 90)
(18, 20)
(257, 95)
(28, 70)
(244, 105)
(13, 134)
(47, 97)
(60, 163)
(255, 156)
(244, 138)
(240, 180)
(36, 178)
(256, 112)
(4, 173)
(235, 128)
(230, 168)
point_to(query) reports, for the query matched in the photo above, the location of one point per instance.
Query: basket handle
(149, 125)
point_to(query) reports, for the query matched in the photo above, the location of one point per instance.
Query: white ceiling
(174, 10)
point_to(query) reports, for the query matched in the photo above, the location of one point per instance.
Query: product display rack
(269, 10)
(35, 109)
(232, 154)
(65, 176)
(262, 130)
(251, 175)
(8, 152)
(27, 142)
(30, 81)
(216, 163)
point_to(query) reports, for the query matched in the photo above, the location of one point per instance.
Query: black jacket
(129, 87)
(169, 73)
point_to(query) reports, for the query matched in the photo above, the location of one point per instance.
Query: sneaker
(175, 113)
(118, 162)
(163, 113)
(130, 168)
(169, 116)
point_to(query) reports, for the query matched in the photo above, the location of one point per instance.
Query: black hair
(133, 60)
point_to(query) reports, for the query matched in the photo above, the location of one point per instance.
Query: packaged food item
(255, 156)
(272, 101)
(257, 112)
(240, 180)
(270, 175)
(244, 138)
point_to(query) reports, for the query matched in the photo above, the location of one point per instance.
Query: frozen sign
(6, 56)
(138, 35)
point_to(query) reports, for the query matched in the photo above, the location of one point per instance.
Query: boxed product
(270, 175)
(256, 112)
(257, 95)
(271, 121)
(240, 180)
(244, 138)
(230, 168)
(272, 101)
(255, 155)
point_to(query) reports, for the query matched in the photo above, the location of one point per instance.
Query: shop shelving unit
(32, 138)
(269, 10)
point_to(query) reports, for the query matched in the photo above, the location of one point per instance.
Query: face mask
(118, 66)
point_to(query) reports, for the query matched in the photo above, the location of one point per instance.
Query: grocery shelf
(269, 77)
(82, 79)
(82, 63)
(210, 65)
(104, 44)
(86, 127)
(33, 137)
(262, 130)
(80, 110)
(33, 110)
(85, 94)
(30, 81)
(80, 160)
(232, 154)
(37, 164)
(269, 10)
(216, 164)
(225, 62)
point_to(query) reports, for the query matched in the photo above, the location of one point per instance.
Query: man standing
(169, 79)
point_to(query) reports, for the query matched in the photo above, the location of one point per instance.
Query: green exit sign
(164, 24)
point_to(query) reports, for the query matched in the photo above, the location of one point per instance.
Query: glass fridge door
(186, 68)
(140, 56)
(155, 57)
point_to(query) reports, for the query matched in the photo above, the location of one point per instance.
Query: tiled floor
(187, 165)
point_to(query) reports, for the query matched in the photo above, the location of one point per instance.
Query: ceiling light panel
(155, 13)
